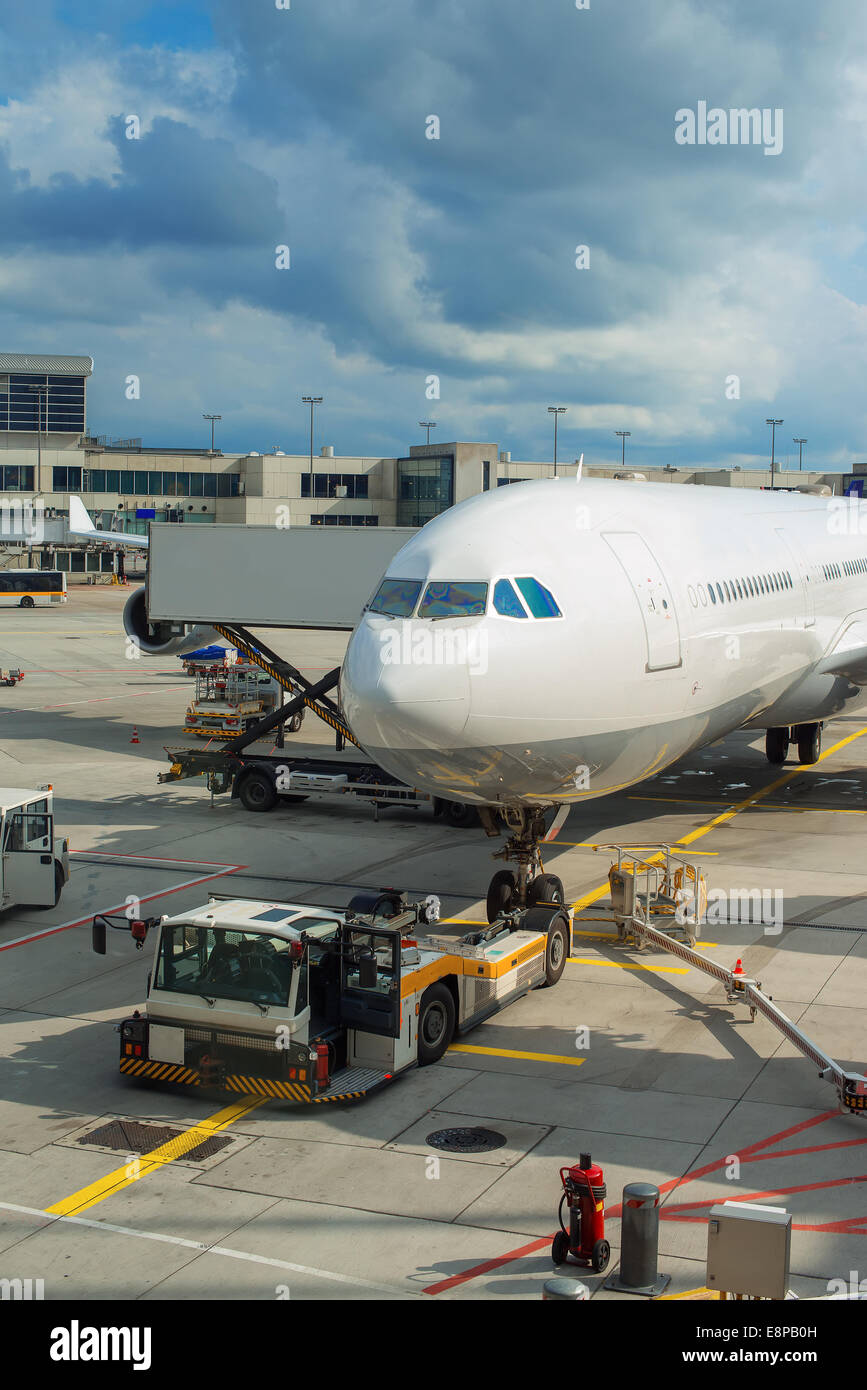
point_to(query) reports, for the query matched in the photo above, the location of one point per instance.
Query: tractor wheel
(556, 951)
(436, 1023)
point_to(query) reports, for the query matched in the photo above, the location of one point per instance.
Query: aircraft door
(803, 572)
(654, 598)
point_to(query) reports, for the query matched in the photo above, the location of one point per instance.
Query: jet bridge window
(540, 600)
(506, 601)
(457, 599)
(396, 598)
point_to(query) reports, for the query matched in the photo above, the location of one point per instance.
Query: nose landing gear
(807, 736)
(528, 884)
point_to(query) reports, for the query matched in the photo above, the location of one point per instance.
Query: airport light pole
(212, 418)
(773, 424)
(312, 401)
(800, 443)
(556, 410)
(428, 425)
(41, 394)
(623, 435)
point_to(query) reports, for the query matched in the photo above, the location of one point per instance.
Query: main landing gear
(527, 884)
(807, 736)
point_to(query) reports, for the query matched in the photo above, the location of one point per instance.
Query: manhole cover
(466, 1141)
(128, 1137)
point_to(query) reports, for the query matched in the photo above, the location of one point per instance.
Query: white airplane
(549, 643)
(81, 524)
(153, 639)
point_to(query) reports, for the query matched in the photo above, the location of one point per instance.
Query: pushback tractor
(317, 1004)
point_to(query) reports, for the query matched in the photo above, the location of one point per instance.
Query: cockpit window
(506, 601)
(453, 600)
(396, 598)
(540, 600)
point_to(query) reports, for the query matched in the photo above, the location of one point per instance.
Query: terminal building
(47, 451)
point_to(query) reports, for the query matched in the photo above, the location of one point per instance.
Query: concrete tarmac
(675, 1086)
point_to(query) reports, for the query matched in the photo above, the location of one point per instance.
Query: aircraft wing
(80, 524)
(848, 656)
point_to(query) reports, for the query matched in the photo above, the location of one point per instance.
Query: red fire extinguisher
(584, 1192)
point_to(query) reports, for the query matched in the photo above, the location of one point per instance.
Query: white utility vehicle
(315, 1004)
(34, 863)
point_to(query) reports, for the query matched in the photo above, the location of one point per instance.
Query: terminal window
(326, 484)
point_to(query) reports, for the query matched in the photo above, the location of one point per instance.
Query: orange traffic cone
(135, 739)
(739, 968)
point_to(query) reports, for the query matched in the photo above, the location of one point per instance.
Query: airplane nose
(401, 690)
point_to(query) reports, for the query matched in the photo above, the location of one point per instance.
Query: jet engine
(162, 639)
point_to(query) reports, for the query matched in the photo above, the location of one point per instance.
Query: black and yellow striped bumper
(247, 1085)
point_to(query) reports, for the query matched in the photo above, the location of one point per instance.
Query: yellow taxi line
(139, 1167)
(625, 965)
(525, 1056)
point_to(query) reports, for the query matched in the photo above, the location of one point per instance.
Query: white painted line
(118, 907)
(204, 1248)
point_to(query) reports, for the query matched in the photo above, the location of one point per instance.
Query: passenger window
(728, 591)
(443, 599)
(711, 592)
(540, 600)
(396, 598)
(506, 601)
(720, 592)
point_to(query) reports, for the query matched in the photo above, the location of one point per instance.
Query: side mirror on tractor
(137, 927)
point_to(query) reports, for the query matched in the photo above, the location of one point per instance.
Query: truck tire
(26, 602)
(58, 889)
(556, 950)
(460, 814)
(256, 792)
(436, 1023)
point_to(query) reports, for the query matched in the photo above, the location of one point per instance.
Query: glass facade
(17, 477)
(425, 487)
(339, 519)
(326, 484)
(139, 482)
(56, 404)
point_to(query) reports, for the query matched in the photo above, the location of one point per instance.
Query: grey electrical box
(748, 1248)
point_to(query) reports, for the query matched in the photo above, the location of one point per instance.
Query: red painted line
(669, 1213)
(158, 858)
(751, 1151)
(119, 907)
(488, 1265)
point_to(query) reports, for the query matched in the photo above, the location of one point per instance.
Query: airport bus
(31, 588)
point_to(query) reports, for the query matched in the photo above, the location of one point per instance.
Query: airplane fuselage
(579, 638)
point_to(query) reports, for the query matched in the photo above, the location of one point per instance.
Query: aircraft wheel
(777, 745)
(545, 888)
(501, 894)
(809, 743)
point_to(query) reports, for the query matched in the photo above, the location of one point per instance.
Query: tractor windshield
(215, 961)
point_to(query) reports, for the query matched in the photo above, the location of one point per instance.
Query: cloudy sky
(724, 284)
